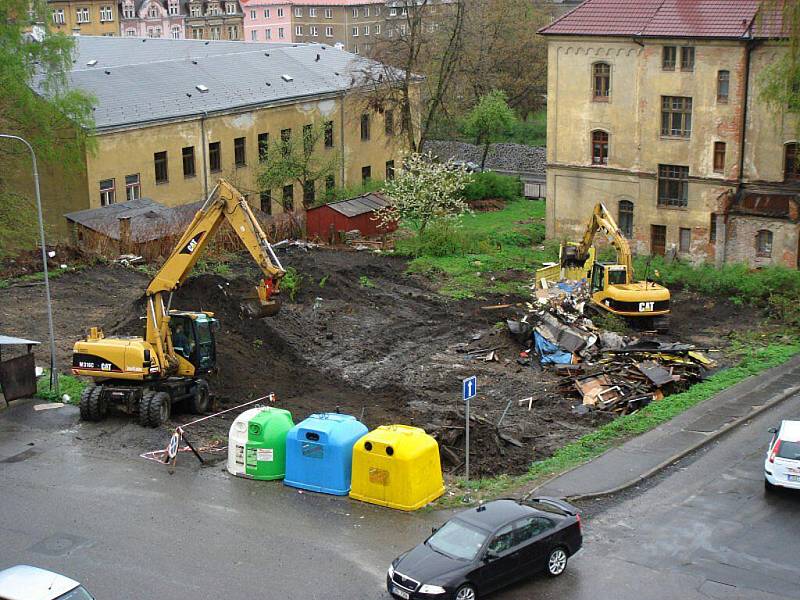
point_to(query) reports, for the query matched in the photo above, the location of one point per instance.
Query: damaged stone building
(654, 108)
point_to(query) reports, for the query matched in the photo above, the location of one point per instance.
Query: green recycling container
(257, 443)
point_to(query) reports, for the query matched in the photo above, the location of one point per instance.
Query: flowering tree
(424, 191)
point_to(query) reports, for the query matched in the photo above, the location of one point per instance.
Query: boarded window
(676, 116)
(601, 76)
(723, 86)
(308, 139)
(214, 157)
(288, 197)
(626, 218)
(764, 243)
(673, 185)
(263, 146)
(188, 161)
(329, 134)
(685, 239)
(712, 228)
(286, 141)
(719, 157)
(308, 193)
(160, 163)
(668, 58)
(791, 165)
(364, 127)
(599, 147)
(239, 152)
(388, 122)
(658, 239)
(366, 174)
(687, 58)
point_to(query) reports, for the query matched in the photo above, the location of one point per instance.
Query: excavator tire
(198, 404)
(93, 406)
(144, 408)
(154, 408)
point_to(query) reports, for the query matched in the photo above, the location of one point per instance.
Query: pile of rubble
(605, 370)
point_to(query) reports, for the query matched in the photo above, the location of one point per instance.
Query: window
(253, 14)
(312, 12)
(239, 152)
(602, 80)
(286, 141)
(157, 32)
(599, 147)
(254, 35)
(196, 11)
(280, 12)
(265, 199)
(263, 146)
(355, 31)
(530, 527)
(377, 29)
(712, 228)
(174, 9)
(626, 218)
(152, 11)
(128, 12)
(389, 170)
(58, 16)
(355, 48)
(687, 58)
(330, 185)
(175, 32)
(280, 33)
(668, 58)
(230, 8)
(723, 86)
(214, 33)
(329, 134)
(328, 13)
(658, 239)
(328, 31)
(288, 197)
(366, 29)
(503, 541)
(308, 193)
(308, 139)
(676, 116)
(197, 33)
(378, 11)
(266, 13)
(130, 32)
(764, 243)
(269, 33)
(791, 164)
(719, 157)
(684, 239)
(82, 15)
(106, 14)
(233, 32)
(366, 11)
(133, 187)
(298, 30)
(392, 12)
(355, 13)
(298, 12)
(188, 161)
(160, 162)
(673, 185)
(366, 174)
(314, 30)
(214, 157)
(106, 192)
(364, 127)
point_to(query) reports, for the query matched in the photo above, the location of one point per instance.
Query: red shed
(325, 221)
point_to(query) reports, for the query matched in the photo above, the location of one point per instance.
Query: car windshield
(789, 450)
(458, 539)
(79, 593)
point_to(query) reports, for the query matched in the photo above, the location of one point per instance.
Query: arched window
(601, 80)
(764, 243)
(791, 164)
(626, 218)
(599, 147)
(152, 11)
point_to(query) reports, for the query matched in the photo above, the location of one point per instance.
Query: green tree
(55, 119)
(298, 159)
(489, 119)
(425, 192)
(780, 81)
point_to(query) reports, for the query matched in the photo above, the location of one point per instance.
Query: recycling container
(397, 466)
(319, 453)
(257, 443)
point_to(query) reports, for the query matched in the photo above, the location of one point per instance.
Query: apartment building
(654, 108)
(85, 17)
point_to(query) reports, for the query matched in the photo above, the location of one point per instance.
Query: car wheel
(557, 562)
(466, 592)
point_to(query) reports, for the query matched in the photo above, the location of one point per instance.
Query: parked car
(782, 465)
(32, 583)
(483, 549)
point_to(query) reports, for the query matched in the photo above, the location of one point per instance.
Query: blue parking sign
(470, 387)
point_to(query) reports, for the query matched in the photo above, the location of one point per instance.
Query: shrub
(493, 185)
(443, 239)
(291, 282)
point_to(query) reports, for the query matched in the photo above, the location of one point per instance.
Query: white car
(31, 583)
(782, 465)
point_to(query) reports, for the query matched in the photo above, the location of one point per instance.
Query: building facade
(189, 126)
(656, 112)
(351, 25)
(85, 17)
(153, 18)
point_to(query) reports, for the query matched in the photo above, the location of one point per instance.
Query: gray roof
(140, 80)
(149, 219)
(360, 205)
(6, 340)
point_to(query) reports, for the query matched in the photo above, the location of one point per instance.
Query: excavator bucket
(261, 303)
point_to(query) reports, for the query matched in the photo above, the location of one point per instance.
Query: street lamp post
(53, 372)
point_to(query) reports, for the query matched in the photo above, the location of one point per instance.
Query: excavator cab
(193, 338)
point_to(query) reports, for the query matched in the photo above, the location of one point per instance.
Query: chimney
(125, 235)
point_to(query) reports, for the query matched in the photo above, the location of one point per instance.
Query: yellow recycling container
(397, 466)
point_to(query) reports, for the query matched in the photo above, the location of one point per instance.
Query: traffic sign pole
(466, 462)
(469, 389)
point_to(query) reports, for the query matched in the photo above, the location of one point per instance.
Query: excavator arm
(601, 221)
(225, 203)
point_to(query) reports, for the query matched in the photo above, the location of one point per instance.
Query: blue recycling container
(319, 453)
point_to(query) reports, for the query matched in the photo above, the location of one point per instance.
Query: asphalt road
(131, 531)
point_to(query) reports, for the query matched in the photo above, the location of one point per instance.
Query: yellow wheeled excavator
(146, 376)
(613, 290)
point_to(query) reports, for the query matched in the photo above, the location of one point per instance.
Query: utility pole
(53, 372)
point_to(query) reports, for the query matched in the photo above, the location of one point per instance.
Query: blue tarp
(549, 353)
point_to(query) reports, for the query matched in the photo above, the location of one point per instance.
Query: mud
(362, 337)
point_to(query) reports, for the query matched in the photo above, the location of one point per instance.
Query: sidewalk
(649, 453)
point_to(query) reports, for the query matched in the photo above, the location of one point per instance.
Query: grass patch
(459, 257)
(38, 276)
(67, 384)
(591, 445)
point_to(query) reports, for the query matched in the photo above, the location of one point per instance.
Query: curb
(677, 456)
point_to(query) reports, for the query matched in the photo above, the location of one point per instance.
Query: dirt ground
(362, 337)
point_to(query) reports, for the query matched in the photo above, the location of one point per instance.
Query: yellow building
(656, 112)
(175, 115)
(84, 17)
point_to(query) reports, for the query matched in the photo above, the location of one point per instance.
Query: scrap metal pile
(605, 370)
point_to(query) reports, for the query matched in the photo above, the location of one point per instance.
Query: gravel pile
(504, 157)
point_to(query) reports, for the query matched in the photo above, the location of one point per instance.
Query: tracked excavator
(643, 304)
(147, 376)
